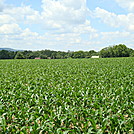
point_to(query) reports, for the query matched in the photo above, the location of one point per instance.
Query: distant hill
(10, 49)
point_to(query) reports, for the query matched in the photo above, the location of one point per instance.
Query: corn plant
(70, 96)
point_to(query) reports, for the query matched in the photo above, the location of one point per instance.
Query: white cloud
(75, 4)
(63, 22)
(115, 38)
(58, 15)
(65, 10)
(63, 25)
(115, 35)
(129, 4)
(27, 33)
(20, 13)
(6, 19)
(114, 20)
(27, 39)
(2, 5)
(63, 16)
(10, 29)
(84, 28)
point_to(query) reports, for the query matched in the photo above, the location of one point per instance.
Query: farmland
(67, 96)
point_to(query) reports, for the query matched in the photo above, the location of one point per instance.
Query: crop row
(72, 96)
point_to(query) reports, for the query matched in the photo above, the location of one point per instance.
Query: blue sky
(66, 24)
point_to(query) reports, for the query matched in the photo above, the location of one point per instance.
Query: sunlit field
(67, 96)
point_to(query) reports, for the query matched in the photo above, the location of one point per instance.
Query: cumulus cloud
(55, 14)
(84, 28)
(10, 29)
(129, 4)
(117, 37)
(13, 36)
(27, 33)
(20, 13)
(69, 11)
(63, 14)
(114, 20)
(59, 15)
(63, 24)
(6, 19)
(2, 5)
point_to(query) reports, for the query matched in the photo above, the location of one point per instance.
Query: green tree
(4, 54)
(11, 54)
(19, 55)
(132, 54)
(91, 53)
(120, 51)
(78, 54)
(43, 56)
(116, 51)
(53, 55)
(105, 53)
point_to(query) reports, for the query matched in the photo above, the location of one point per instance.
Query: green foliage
(43, 56)
(4, 54)
(120, 51)
(67, 96)
(19, 55)
(78, 54)
(132, 54)
(115, 51)
(131, 51)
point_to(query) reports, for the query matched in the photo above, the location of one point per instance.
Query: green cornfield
(67, 96)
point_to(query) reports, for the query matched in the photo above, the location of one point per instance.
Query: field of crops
(68, 96)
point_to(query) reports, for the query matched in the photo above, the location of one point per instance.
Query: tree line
(112, 51)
